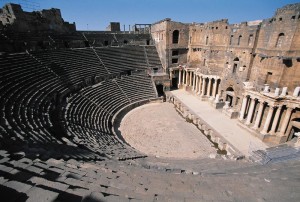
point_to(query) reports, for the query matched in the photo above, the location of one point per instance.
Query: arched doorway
(230, 95)
(295, 128)
(160, 90)
(235, 65)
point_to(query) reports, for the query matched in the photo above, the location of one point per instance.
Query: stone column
(191, 74)
(179, 79)
(194, 82)
(183, 78)
(215, 88)
(268, 120)
(203, 86)
(209, 87)
(285, 121)
(259, 115)
(186, 78)
(250, 112)
(275, 121)
(200, 84)
(171, 75)
(243, 109)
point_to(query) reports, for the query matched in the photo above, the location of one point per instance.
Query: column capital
(290, 108)
(271, 105)
(246, 95)
(278, 106)
(261, 100)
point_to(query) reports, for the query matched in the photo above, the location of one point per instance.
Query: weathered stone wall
(171, 54)
(262, 52)
(278, 50)
(113, 27)
(159, 35)
(216, 47)
(207, 49)
(15, 19)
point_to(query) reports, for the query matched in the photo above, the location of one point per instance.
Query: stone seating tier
(95, 180)
(34, 116)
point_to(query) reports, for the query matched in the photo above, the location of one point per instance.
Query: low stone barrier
(223, 146)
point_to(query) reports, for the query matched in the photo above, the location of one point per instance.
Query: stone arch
(229, 88)
(279, 40)
(239, 40)
(250, 40)
(294, 128)
(230, 95)
(235, 65)
(206, 40)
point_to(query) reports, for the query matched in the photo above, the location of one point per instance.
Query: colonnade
(265, 116)
(204, 85)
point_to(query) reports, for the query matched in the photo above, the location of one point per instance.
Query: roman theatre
(161, 111)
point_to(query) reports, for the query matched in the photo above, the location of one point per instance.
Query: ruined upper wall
(13, 18)
(288, 9)
(171, 40)
(209, 34)
(280, 34)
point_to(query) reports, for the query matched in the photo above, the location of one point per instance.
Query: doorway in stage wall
(230, 96)
(295, 128)
(174, 83)
(160, 90)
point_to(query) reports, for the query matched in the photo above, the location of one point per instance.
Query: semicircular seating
(41, 112)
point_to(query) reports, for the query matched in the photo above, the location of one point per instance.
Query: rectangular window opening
(174, 60)
(175, 52)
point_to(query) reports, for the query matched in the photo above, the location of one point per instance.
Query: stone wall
(172, 52)
(278, 50)
(263, 51)
(13, 18)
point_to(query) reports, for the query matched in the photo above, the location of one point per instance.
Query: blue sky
(96, 14)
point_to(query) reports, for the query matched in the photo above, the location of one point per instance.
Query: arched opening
(235, 65)
(206, 41)
(160, 90)
(279, 40)
(229, 89)
(231, 40)
(239, 40)
(175, 36)
(229, 95)
(125, 41)
(250, 40)
(295, 128)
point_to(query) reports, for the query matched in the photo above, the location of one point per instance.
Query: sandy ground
(157, 129)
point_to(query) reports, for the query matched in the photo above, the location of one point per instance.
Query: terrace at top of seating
(73, 65)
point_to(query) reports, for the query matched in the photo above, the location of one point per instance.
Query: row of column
(186, 78)
(249, 103)
(201, 84)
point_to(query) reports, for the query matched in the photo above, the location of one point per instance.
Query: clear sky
(96, 14)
